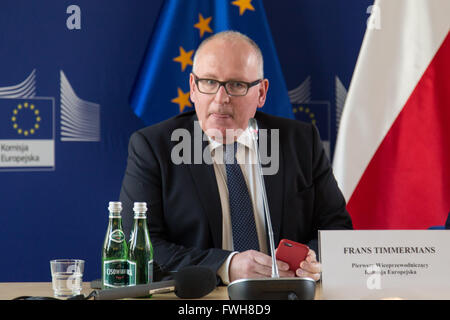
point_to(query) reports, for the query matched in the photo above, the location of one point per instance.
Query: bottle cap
(140, 207)
(115, 206)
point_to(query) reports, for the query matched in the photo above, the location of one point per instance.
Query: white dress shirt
(246, 157)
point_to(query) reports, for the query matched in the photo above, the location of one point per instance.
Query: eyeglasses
(232, 87)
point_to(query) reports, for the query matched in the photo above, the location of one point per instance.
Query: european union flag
(319, 114)
(162, 87)
(26, 119)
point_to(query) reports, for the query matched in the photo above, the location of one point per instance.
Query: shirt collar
(244, 139)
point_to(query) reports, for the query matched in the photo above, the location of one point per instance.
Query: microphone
(189, 283)
(274, 288)
(254, 133)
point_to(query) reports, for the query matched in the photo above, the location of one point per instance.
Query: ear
(263, 88)
(192, 88)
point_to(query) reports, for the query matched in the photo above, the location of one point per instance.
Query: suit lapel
(205, 182)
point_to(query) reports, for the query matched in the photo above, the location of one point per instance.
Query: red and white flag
(392, 158)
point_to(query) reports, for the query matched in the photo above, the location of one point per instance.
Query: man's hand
(255, 264)
(310, 267)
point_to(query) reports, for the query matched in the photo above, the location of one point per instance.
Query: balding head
(232, 38)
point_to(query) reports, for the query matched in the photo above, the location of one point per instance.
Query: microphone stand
(274, 288)
(254, 132)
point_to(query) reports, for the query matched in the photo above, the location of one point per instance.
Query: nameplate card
(385, 264)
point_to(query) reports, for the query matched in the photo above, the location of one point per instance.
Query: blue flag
(162, 87)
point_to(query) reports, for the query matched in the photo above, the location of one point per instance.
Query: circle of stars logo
(309, 114)
(29, 111)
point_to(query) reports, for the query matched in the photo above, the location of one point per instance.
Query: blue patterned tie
(243, 224)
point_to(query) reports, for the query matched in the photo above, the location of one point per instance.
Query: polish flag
(392, 158)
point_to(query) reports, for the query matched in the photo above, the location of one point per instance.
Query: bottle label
(150, 271)
(116, 273)
(133, 272)
(132, 276)
(117, 236)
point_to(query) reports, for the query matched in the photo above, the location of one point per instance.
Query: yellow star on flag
(243, 5)
(182, 100)
(203, 25)
(185, 58)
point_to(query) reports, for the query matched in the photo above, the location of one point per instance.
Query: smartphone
(291, 252)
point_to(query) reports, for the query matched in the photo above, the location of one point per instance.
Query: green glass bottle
(115, 271)
(140, 257)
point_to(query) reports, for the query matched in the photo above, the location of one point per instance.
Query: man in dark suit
(191, 210)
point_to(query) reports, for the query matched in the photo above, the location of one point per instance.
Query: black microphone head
(194, 282)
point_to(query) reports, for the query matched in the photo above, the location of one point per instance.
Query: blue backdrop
(76, 63)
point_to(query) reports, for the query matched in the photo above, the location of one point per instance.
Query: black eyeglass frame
(223, 83)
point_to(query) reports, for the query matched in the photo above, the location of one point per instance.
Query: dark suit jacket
(185, 215)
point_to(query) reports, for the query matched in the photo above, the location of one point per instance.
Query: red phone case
(292, 253)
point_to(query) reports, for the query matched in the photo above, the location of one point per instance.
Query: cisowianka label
(133, 270)
(150, 271)
(116, 273)
(117, 236)
(132, 276)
